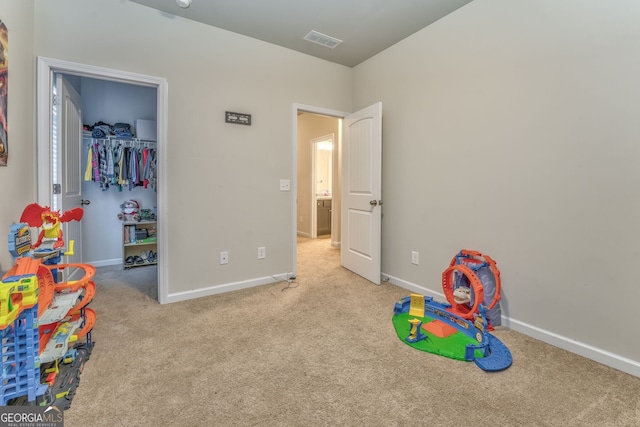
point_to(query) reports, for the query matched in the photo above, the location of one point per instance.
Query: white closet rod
(129, 142)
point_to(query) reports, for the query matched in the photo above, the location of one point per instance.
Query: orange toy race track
(47, 331)
(74, 285)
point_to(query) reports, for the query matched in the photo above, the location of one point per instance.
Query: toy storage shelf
(139, 244)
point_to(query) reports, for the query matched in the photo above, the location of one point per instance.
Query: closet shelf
(142, 242)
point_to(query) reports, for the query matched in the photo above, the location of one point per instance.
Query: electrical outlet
(224, 257)
(262, 252)
(415, 258)
(285, 185)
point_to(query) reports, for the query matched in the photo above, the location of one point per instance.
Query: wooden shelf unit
(136, 252)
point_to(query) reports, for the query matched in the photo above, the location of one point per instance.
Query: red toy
(43, 217)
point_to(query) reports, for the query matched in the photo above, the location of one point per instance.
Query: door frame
(296, 107)
(46, 67)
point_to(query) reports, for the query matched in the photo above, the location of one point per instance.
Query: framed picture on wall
(4, 72)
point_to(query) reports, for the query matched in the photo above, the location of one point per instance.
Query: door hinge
(55, 100)
(57, 189)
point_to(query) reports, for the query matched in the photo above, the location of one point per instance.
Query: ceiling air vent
(322, 39)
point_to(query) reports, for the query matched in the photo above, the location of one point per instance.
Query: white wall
(511, 128)
(18, 177)
(223, 188)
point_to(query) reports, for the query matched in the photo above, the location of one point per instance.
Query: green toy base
(453, 346)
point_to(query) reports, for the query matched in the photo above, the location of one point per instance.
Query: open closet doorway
(107, 82)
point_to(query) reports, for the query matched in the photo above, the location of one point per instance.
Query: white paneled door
(362, 188)
(67, 152)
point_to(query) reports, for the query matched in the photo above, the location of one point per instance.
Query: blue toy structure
(495, 355)
(20, 363)
(458, 328)
(42, 323)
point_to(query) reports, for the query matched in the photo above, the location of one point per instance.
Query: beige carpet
(322, 352)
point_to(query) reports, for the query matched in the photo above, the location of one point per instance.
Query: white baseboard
(105, 262)
(303, 234)
(616, 361)
(412, 287)
(607, 358)
(228, 287)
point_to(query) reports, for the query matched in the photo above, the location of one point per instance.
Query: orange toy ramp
(439, 329)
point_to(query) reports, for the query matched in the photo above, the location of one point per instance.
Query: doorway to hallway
(317, 217)
(318, 176)
(359, 164)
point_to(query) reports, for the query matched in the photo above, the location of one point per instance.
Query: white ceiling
(366, 27)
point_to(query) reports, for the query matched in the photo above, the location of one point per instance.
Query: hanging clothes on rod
(113, 162)
(117, 158)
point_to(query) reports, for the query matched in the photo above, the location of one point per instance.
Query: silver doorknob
(85, 202)
(373, 203)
